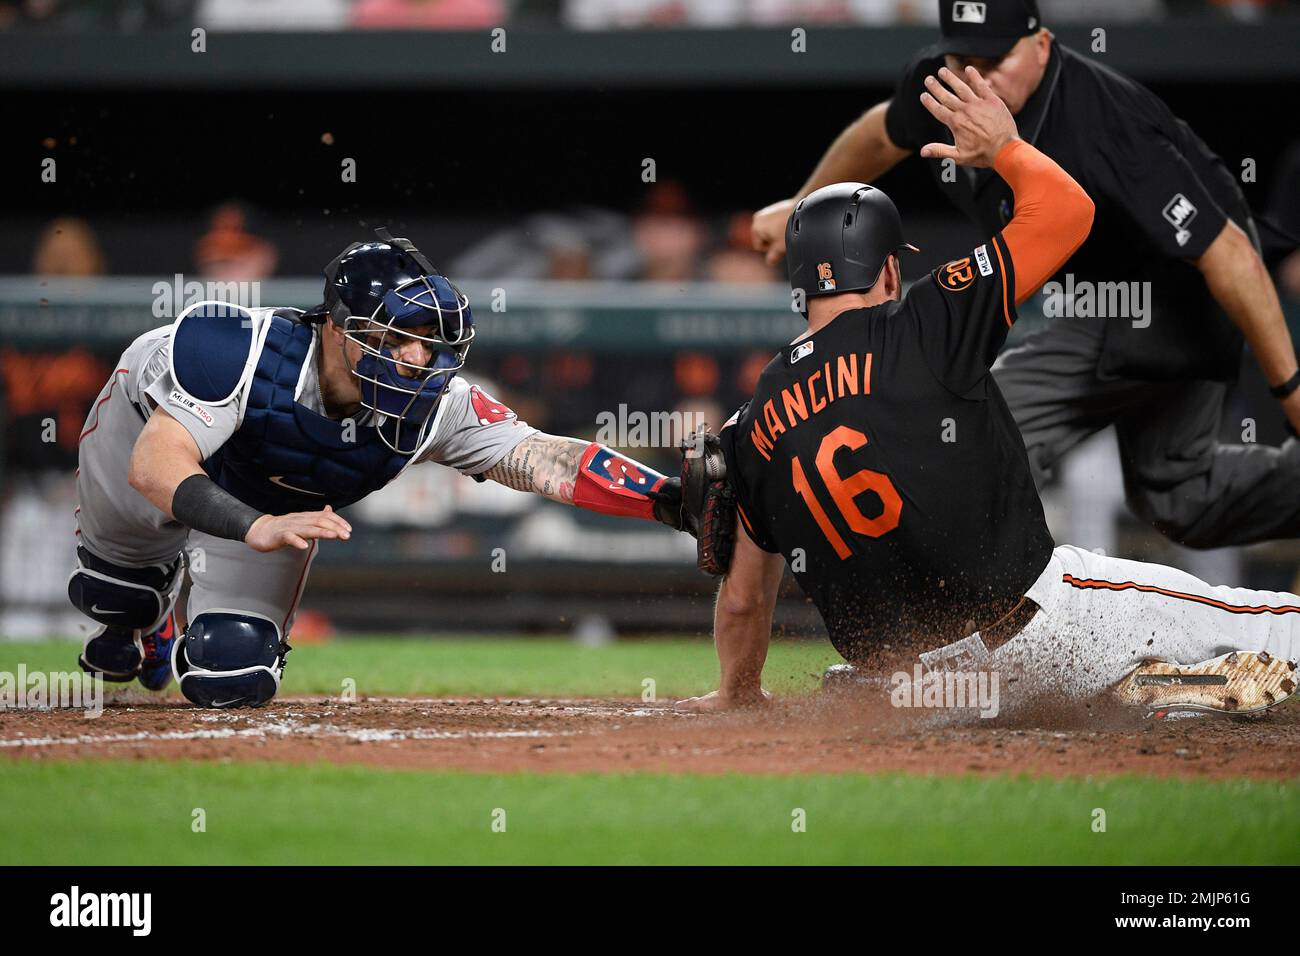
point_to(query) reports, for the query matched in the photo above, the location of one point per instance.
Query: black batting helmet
(838, 238)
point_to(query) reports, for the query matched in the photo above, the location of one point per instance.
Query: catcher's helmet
(838, 238)
(376, 292)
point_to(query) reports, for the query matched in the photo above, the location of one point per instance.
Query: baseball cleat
(113, 652)
(156, 667)
(1243, 682)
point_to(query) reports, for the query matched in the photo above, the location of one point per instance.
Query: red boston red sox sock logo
(486, 408)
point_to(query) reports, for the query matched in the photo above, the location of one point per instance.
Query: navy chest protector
(285, 457)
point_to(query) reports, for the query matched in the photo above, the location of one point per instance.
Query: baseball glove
(708, 501)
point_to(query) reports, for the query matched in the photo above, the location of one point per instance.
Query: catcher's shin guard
(1243, 682)
(133, 598)
(114, 653)
(129, 603)
(229, 658)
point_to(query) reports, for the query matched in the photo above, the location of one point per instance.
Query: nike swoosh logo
(279, 480)
(96, 609)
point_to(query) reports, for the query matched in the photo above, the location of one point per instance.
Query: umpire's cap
(988, 28)
(838, 238)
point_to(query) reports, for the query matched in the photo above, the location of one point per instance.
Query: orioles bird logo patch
(825, 277)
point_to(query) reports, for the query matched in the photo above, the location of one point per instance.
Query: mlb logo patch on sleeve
(1179, 212)
(177, 397)
(982, 260)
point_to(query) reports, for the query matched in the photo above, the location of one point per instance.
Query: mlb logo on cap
(985, 28)
(965, 12)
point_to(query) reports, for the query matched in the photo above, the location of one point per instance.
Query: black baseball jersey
(878, 456)
(1161, 195)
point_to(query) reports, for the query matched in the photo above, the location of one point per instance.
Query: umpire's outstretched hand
(980, 122)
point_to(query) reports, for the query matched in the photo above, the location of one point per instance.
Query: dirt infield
(815, 735)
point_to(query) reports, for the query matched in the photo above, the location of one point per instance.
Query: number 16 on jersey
(845, 490)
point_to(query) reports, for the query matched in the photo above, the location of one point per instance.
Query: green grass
(547, 667)
(142, 813)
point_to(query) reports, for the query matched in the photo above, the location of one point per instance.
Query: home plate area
(600, 735)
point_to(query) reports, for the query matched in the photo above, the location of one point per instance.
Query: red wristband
(615, 485)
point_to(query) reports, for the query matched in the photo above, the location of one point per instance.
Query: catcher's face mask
(411, 347)
(407, 331)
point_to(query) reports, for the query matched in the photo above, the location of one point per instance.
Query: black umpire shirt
(878, 456)
(1161, 197)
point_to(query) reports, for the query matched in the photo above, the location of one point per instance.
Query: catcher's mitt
(708, 501)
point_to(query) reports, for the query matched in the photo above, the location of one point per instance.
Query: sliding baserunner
(879, 459)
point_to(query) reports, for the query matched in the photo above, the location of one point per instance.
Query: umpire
(1171, 226)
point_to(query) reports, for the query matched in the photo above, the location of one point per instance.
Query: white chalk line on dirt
(569, 706)
(574, 706)
(360, 734)
(288, 724)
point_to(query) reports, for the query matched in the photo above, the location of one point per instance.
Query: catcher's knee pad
(229, 659)
(135, 598)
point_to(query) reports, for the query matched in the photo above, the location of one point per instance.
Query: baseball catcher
(238, 433)
(880, 460)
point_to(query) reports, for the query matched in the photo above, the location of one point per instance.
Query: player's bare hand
(768, 229)
(980, 122)
(273, 532)
(717, 701)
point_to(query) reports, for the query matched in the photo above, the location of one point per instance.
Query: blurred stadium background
(522, 172)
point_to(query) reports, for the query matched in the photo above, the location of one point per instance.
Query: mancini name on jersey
(836, 378)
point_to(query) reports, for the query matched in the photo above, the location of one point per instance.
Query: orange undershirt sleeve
(1052, 219)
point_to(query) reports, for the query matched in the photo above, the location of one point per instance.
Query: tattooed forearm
(516, 470)
(545, 464)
